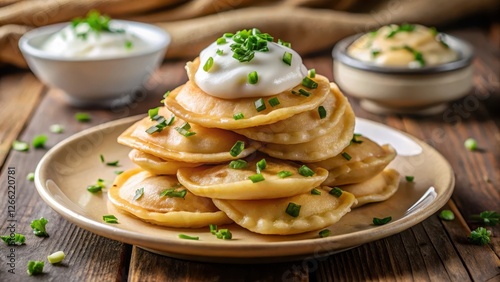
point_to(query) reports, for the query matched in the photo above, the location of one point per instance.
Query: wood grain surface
(434, 250)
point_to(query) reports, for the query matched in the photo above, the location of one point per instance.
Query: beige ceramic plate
(65, 171)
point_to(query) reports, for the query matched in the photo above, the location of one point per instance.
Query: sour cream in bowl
(95, 61)
(407, 68)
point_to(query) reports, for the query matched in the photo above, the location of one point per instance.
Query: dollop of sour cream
(228, 77)
(82, 42)
(406, 45)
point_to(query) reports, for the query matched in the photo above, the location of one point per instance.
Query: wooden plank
(19, 95)
(421, 253)
(146, 266)
(88, 255)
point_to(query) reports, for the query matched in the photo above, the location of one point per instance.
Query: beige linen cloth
(310, 25)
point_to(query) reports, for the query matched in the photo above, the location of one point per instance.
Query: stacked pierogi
(252, 138)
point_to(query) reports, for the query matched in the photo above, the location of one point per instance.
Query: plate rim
(260, 250)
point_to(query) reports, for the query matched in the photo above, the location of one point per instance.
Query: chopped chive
(417, 55)
(39, 141)
(287, 58)
(20, 146)
(312, 73)
(184, 130)
(153, 113)
(15, 239)
(228, 34)
(440, 38)
(315, 192)
(213, 228)
(30, 176)
(470, 144)
(306, 171)
(324, 233)
(409, 178)
(346, 156)
(38, 226)
(322, 112)
(224, 234)
(480, 236)
(219, 52)
(128, 44)
(138, 194)
(401, 28)
(247, 42)
(115, 163)
(101, 156)
(110, 218)
(261, 165)
(237, 148)
(354, 140)
(375, 53)
(56, 257)
(82, 117)
(274, 101)
(118, 172)
(284, 43)
(253, 77)
(381, 221)
(489, 218)
(260, 105)
(336, 191)
(238, 116)
(447, 215)
(35, 267)
(208, 64)
(166, 94)
(170, 120)
(94, 188)
(293, 209)
(56, 128)
(153, 129)
(309, 83)
(185, 126)
(221, 40)
(187, 237)
(238, 164)
(304, 92)
(256, 178)
(172, 193)
(284, 174)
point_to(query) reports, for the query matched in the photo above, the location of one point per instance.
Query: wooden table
(433, 250)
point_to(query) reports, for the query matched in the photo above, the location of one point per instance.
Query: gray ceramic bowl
(422, 91)
(103, 81)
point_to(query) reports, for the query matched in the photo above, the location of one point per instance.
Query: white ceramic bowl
(422, 91)
(104, 81)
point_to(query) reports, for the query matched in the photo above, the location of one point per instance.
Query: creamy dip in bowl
(103, 68)
(404, 69)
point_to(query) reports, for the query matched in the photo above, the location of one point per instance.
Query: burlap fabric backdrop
(310, 25)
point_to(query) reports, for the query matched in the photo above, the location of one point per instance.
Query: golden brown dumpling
(223, 182)
(157, 165)
(190, 211)
(376, 189)
(208, 145)
(321, 148)
(367, 159)
(302, 127)
(270, 216)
